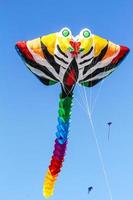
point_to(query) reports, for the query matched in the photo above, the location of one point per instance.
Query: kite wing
(38, 55)
(48, 57)
(100, 60)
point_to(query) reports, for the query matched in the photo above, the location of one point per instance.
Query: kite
(89, 189)
(109, 126)
(60, 57)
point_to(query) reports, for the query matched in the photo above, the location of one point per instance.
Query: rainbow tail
(64, 112)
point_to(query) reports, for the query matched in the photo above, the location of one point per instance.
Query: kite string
(95, 99)
(97, 96)
(98, 148)
(81, 96)
(89, 113)
(83, 107)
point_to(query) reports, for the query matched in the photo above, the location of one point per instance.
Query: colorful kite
(60, 57)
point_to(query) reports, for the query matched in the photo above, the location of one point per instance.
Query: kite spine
(64, 114)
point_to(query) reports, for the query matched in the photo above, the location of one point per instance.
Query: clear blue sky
(28, 110)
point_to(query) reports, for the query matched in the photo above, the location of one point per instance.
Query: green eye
(86, 34)
(65, 33)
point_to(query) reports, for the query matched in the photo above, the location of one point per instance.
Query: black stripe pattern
(37, 66)
(59, 49)
(50, 58)
(96, 60)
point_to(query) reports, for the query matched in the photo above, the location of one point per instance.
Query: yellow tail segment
(48, 186)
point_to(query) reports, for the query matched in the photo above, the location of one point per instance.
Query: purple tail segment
(57, 158)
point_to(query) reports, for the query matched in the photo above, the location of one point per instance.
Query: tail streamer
(64, 114)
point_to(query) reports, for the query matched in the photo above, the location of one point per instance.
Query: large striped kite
(60, 57)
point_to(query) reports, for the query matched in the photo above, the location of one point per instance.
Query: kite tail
(57, 159)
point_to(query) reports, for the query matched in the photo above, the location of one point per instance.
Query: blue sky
(28, 110)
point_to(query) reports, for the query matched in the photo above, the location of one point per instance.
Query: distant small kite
(109, 127)
(89, 189)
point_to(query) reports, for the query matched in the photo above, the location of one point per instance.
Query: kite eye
(86, 33)
(65, 33)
